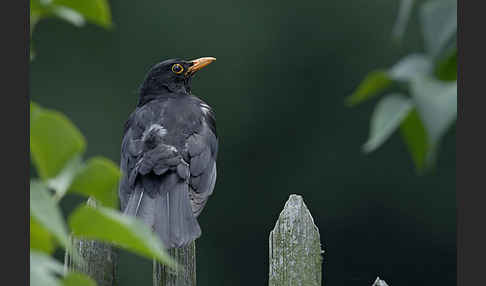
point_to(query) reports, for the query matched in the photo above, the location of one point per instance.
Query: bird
(168, 153)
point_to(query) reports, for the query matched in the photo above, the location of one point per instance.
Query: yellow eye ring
(177, 68)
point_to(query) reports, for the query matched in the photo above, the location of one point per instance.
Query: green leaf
(436, 110)
(439, 24)
(44, 209)
(415, 137)
(37, 12)
(78, 279)
(374, 83)
(40, 238)
(414, 65)
(95, 11)
(410, 67)
(386, 118)
(76, 12)
(446, 68)
(99, 179)
(44, 270)
(436, 103)
(62, 181)
(111, 226)
(54, 141)
(35, 110)
(41, 9)
(401, 22)
(68, 14)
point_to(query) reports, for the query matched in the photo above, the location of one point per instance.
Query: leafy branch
(429, 107)
(56, 148)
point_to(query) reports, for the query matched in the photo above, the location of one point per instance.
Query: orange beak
(199, 64)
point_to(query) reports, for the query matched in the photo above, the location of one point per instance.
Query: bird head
(172, 76)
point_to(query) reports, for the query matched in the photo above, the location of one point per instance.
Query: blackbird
(168, 153)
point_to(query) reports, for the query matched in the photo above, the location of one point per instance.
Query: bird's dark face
(173, 76)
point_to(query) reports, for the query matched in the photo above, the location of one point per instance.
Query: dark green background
(278, 89)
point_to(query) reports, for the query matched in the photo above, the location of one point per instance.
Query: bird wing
(127, 162)
(202, 148)
(143, 155)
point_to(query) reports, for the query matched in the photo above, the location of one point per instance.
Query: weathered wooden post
(186, 276)
(100, 259)
(379, 282)
(295, 247)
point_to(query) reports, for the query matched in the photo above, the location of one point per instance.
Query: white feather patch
(161, 131)
(205, 108)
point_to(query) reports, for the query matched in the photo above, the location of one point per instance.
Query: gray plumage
(168, 164)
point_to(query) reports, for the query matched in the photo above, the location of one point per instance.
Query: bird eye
(177, 69)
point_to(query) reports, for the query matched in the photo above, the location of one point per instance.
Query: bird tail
(167, 210)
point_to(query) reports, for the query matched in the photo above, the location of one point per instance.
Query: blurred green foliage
(73, 11)
(57, 147)
(98, 175)
(428, 109)
(40, 238)
(76, 279)
(54, 140)
(106, 224)
(65, 172)
(44, 209)
(44, 270)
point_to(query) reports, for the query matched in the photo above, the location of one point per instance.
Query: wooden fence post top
(379, 282)
(186, 258)
(295, 247)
